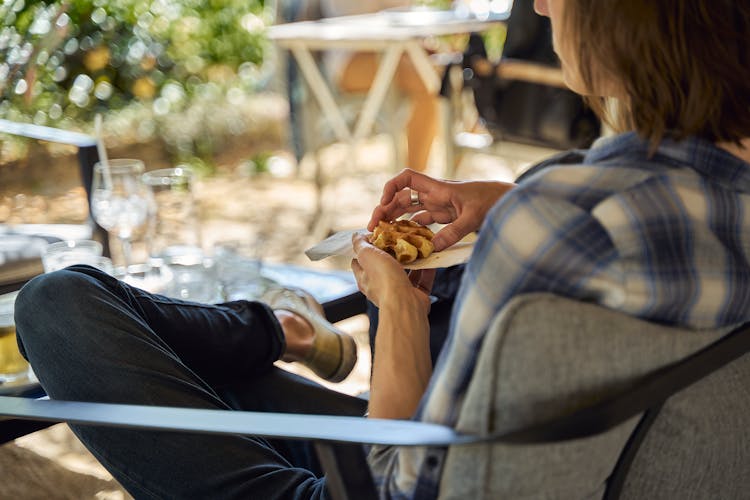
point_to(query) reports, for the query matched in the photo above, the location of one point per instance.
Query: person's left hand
(401, 367)
(382, 279)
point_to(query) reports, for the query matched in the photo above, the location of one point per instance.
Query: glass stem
(125, 246)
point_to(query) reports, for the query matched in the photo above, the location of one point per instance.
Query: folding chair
(568, 400)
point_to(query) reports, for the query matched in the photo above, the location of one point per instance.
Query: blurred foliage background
(165, 69)
(179, 72)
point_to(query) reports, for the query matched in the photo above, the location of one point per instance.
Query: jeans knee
(47, 299)
(50, 287)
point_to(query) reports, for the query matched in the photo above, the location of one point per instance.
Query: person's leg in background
(357, 76)
(423, 121)
(92, 338)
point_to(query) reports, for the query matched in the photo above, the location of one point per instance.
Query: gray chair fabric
(546, 356)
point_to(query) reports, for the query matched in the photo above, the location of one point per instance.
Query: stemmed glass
(120, 201)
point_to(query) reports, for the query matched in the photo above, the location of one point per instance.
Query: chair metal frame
(338, 439)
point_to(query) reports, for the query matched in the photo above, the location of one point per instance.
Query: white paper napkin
(341, 244)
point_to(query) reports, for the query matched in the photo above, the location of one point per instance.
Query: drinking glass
(191, 277)
(120, 201)
(238, 269)
(12, 365)
(62, 254)
(174, 237)
(175, 229)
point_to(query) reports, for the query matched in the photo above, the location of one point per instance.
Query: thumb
(450, 235)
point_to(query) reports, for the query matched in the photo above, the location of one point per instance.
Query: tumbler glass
(12, 365)
(174, 229)
(62, 254)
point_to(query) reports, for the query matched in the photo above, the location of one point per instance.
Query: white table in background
(392, 33)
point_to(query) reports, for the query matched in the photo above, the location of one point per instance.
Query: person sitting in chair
(651, 222)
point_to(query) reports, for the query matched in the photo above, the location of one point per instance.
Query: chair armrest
(270, 425)
(612, 411)
(345, 307)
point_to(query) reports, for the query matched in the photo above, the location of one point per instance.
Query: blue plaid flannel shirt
(664, 237)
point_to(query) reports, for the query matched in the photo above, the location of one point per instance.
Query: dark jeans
(90, 337)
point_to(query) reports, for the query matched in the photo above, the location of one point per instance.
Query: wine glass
(120, 201)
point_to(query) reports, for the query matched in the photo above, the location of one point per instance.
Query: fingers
(396, 198)
(379, 213)
(407, 200)
(360, 241)
(401, 203)
(451, 234)
(359, 276)
(406, 179)
(357, 271)
(424, 218)
(361, 245)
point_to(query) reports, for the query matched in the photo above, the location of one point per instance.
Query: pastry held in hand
(340, 244)
(403, 239)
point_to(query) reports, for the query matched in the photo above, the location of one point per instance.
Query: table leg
(378, 89)
(322, 92)
(423, 65)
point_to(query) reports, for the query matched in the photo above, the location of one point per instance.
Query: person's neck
(741, 151)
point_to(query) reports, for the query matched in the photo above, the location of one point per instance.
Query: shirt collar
(702, 156)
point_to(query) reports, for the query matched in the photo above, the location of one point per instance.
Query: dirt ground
(275, 213)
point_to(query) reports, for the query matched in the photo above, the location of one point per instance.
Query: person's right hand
(462, 205)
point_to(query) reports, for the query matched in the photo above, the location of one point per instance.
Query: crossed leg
(90, 337)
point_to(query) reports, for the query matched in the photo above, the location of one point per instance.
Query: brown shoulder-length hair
(682, 66)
